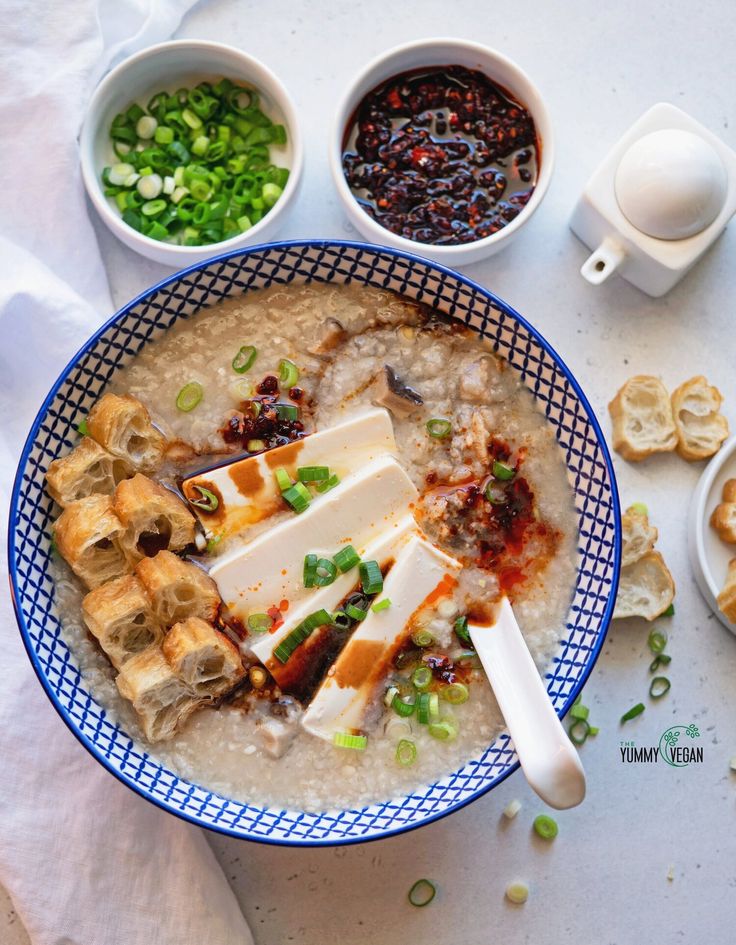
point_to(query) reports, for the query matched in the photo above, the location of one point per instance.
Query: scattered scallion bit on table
(580, 729)
(659, 686)
(422, 893)
(639, 507)
(545, 827)
(512, 809)
(194, 167)
(633, 712)
(670, 612)
(517, 892)
(82, 428)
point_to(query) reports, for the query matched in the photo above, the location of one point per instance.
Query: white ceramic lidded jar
(657, 202)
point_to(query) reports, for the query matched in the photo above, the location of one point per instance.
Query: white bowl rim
(90, 174)
(540, 114)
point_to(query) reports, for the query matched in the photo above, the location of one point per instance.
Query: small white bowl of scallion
(191, 148)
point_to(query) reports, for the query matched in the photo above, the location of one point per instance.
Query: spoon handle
(548, 758)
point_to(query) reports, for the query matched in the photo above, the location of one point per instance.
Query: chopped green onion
(153, 207)
(300, 633)
(233, 185)
(259, 623)
(495, 493)
(320, 618)
(310, 570)
(341, 620)
(455, 693)
(189, 396)
(297, 496)
(670, 612)
(271, 193)
(346, 559)
(371, 578)
(380, 605)
(313, 473)
(287, 411)
(545, 827)
(659, 686)
(329, 484)
(661, 659)
(639, 507)
(244, 359)
(82, 428)
(422, 638)
(345, 740)
(512, 809)
(445, 730)
(517, 892)
(406, 752)
(579, 711)
(428, 707)
(633, 712)
(422, 893)
(403, 705)
(355, 612)
(593, 730)
(461, 630)
(149, 187)
(283, 479)
(258, 677)
(209, 501)
(657, 641)
(422, 677)
(503, 471)
(579, 731)
(438, 428)
(325, 573)
(288, 373)
(389, 696)
(212, 543)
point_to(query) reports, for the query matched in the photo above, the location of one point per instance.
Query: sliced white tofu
(268, 570)
(247, 491)
(384, 549)
(421, 576)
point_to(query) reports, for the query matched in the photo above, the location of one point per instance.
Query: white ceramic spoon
(547, 756)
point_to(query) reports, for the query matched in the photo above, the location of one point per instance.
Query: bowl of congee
(442, 147)
(256, 512)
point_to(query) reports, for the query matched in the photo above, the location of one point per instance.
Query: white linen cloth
(85, 860)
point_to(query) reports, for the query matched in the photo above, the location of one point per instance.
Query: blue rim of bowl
(28, 445)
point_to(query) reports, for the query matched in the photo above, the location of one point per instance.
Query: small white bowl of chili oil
(442, 147)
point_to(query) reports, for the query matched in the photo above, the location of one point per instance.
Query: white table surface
(604, 879)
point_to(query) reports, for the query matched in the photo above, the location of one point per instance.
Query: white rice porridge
(341, 337)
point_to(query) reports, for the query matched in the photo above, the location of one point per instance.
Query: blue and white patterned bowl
(145, 319)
